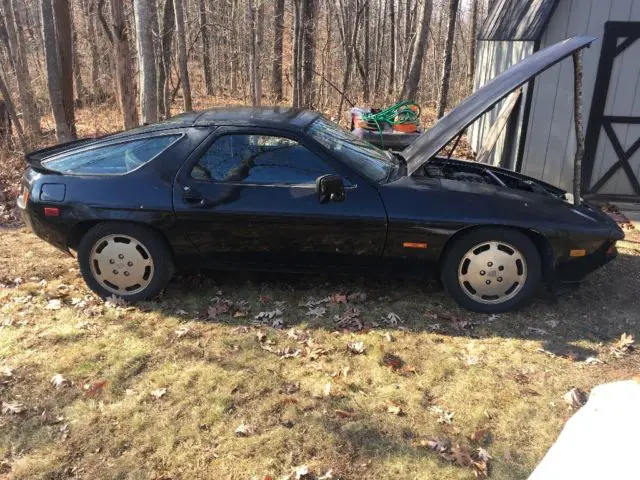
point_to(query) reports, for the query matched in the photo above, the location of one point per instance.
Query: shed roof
(522, 20)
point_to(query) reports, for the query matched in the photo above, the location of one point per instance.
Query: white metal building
(539, 139)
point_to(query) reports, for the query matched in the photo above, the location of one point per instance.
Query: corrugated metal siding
(494, 58)
(517, 20)
(550, 143)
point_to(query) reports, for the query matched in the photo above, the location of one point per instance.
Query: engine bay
(470, 172)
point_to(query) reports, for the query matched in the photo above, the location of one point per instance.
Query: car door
(248, 195)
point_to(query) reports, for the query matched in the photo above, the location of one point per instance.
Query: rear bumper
(55, 234)
(574, 270)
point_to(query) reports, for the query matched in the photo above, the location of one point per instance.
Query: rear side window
(112, 159)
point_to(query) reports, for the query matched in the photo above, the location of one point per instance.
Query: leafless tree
(278, 37)
(412, 79)
(182, 55)
(164, 73)
(146, 22)
(11, 110)
(125, 83)
(446, 61)
(18, 58)
(473, 42)
(206, 48)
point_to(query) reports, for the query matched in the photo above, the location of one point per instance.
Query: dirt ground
(243, 376)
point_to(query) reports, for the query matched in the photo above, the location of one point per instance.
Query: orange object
(405, 127)
(414, 245)
(578, 253)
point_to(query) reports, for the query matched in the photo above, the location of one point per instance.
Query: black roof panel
(257, 116)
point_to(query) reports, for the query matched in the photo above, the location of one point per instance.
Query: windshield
(358, 154)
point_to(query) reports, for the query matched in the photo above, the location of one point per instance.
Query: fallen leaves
(349, 320)
(344, 413)
(58, 381)
(214, 310)
(158, 393)
(94, 389)
(115, 302)
(576, 398)
(460, 456)
(444, 417)
(395, 409)
(283, 353)
(316, 312)
(393, 319)
(244, 430)
(357, 348)
(272, 318)
(623, 346)
(395, 363)
(54, 304)
(12, 408)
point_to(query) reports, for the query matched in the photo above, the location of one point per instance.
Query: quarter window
(111, 159)
(259, 159)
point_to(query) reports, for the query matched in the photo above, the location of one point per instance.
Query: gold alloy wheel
(492, 272)
(121, 264)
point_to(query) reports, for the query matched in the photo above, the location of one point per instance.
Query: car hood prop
(470, 109)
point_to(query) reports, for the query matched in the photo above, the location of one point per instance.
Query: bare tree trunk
(182, 55)
(296, 100)
(54, 80)
(166, 38)
(412, 80)
(446, 64)
(254, 68)
(349, 24)
(89, 13)
(206, 48)
(259, 48)
(124, 75)
(146, 21)
(393, 48)
(18, 57)
(278, 37)
(62, 14)
(473, 43)
(4, 91)
(577, 108)
(80, 92)
(308, 52)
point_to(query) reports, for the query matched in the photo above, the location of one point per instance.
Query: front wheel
(126, 260)
(492, 270)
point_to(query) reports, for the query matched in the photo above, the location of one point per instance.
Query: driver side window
(259, 159)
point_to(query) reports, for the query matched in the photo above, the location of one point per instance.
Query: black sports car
(276, 188)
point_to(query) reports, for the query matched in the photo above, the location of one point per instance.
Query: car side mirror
(330, 188)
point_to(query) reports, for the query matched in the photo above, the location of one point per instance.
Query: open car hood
(471, 108)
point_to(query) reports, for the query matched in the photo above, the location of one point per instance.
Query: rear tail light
(51, 212)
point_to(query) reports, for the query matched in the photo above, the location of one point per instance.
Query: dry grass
(219, 373)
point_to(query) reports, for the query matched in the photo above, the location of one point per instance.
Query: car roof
(294, 118)
(268, 117)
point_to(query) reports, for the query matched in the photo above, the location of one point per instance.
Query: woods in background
(152, 57)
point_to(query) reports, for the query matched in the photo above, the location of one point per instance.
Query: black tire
(153, 242)
(463, 295)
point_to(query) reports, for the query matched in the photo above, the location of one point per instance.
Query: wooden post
(577, 98)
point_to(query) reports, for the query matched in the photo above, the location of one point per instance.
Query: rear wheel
(126, 260)
(492, 270)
